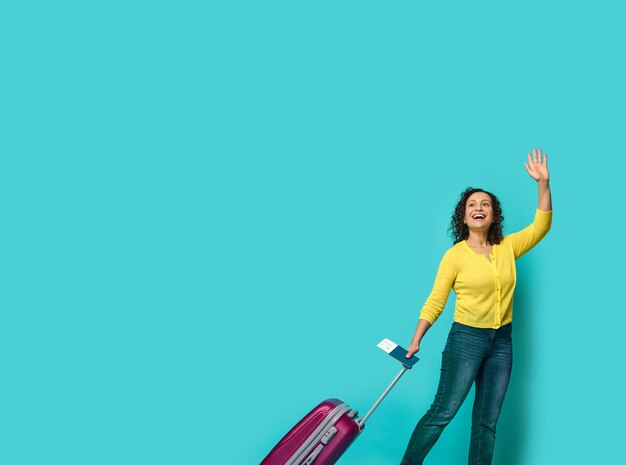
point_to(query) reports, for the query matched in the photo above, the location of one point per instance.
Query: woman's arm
(436, 301)
(537, 168)
(528, 237)
(422, 327)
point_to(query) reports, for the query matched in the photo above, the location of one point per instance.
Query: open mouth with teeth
(478, 216)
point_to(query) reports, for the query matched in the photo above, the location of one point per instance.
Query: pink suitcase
(324, 434)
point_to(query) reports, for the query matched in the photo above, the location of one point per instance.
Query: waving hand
(537, 166)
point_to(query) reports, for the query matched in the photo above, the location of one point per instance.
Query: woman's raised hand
(537, 166)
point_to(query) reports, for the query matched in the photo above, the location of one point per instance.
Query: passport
(397, 352)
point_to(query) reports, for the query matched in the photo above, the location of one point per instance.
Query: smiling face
(479, 211)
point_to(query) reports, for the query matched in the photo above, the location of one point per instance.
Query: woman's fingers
(527, 167)
(542, 157)
(412, 350)
(539, 157)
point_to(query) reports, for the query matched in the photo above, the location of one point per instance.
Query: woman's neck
(478, 238)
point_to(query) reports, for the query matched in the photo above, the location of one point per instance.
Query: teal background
(212, 212)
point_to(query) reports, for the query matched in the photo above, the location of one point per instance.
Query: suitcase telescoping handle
(361, 421)
(399, 353)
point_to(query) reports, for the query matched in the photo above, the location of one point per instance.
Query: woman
(480, 267)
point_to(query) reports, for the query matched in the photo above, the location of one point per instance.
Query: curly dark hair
(459, 230)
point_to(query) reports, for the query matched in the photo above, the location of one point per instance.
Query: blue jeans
(472, 355)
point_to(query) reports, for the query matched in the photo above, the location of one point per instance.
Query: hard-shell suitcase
(324, 434)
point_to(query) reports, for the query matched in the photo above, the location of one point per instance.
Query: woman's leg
(491, 385)
(462, 358)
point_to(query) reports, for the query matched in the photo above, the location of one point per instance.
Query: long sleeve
(528, 237)
(435, 303)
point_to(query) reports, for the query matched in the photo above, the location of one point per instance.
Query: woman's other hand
(537, 166)
(412, 350)
(422, 327)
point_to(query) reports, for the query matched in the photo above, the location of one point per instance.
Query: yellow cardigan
(483, 288)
